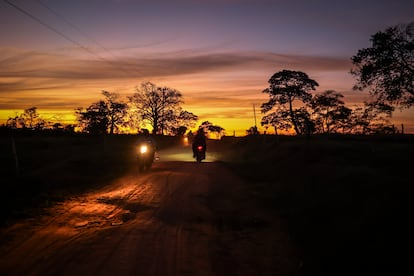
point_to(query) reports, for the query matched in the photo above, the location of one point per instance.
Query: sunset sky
(59, 55)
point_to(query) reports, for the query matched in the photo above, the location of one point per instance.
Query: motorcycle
(146, 154)
(200, 153)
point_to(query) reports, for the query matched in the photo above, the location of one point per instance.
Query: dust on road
(181, 218)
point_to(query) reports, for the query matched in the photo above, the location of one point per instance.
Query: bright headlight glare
(143, 149)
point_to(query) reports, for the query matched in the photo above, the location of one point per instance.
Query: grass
(345, 198)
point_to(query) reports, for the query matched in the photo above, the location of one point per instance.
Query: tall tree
(304, 122)
(156, 105)
(328, 110)
(387, 67)
(94, 119)
(103, 116)
(117, 110)
(30, 116)
(286, 87)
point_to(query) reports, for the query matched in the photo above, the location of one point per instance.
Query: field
(344, 199)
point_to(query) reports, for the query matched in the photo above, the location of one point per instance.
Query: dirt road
(181, 218)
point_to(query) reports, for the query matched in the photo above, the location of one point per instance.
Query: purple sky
(219, 54)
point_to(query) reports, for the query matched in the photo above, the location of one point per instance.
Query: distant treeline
(153, 106)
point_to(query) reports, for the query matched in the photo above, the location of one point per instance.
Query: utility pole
(254, 112)
(255, 131)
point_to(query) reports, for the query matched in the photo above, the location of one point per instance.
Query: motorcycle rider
(146, 138)
(199, 140)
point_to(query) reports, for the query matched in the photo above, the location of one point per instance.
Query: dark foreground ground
(183, 218)
(346, 200)
(338, 205)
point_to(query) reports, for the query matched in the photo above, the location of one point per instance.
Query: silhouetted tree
(133, 121)
(205, 125)
(218, 130)
(102, 116)
(304, 122)
(13, 122)
(179, 125)
(252, 131)
(329, 111)
(370, 119)
(210, 128)
(180, 131)
(174, 120)
(41, 124)
(95, 119)
(29, 119)
(341, 119)
(279, 119)
(387, 67)
(187, 119)
(117, 110)
(156, 105)
(285, 87)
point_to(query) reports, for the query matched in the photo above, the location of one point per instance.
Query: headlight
(143, 149)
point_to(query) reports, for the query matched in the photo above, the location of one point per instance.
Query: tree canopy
(319, 113)
(286, 87)
(161, 108)
(329, 111)
(387, 67)
(211, 128)
(29, 119)
(116, 110)
(104, 115)
(158, 106)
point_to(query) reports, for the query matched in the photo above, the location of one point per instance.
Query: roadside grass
(54, 167)
(345, 199)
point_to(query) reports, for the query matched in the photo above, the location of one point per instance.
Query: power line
(58, 15)
(75, 27)
(51, 28)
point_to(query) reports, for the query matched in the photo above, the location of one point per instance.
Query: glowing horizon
(218, 54)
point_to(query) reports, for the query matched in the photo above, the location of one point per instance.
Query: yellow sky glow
(220, 87)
